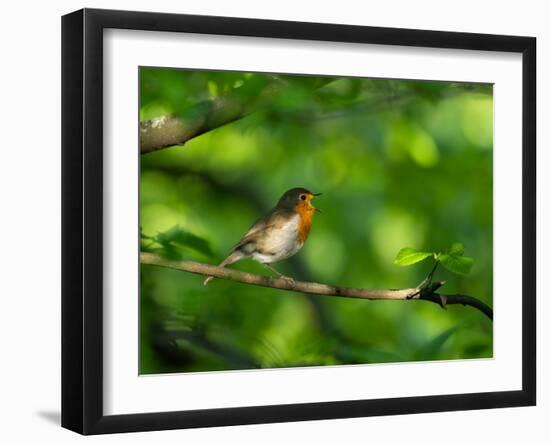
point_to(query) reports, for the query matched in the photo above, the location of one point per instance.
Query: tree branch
(427, 293)
(166, 131)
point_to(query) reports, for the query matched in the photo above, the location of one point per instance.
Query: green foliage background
(400, 163)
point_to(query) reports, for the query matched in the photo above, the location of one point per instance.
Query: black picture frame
(82, 218)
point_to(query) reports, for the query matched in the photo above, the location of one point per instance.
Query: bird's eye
(303, 197)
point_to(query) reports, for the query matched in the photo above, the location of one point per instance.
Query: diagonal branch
(427, 293)
(167, 131)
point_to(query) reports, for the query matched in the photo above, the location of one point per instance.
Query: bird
(277, 235)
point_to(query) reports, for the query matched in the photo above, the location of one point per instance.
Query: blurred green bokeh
(400, 163)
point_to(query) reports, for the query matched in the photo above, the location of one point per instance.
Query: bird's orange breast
(305, 212)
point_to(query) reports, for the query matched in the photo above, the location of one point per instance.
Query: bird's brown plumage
(279, 234)
(274, 219)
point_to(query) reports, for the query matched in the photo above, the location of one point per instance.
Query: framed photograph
(269, 221)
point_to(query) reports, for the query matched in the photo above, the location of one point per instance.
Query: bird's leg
(282, 276)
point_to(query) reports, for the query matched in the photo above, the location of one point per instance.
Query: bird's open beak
(317, 195)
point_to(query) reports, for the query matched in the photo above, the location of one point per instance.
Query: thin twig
(427, 293)
(428, 280)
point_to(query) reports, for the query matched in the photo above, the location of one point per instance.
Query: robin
(279, 234)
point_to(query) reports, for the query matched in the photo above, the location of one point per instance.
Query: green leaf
(456, 249)
(410, 256)
(457, 263)
(177, 236)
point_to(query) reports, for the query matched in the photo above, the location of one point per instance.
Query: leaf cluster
(453, 260)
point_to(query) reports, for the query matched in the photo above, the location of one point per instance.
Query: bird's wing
(275, 218)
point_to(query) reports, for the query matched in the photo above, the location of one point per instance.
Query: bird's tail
(232, 258)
